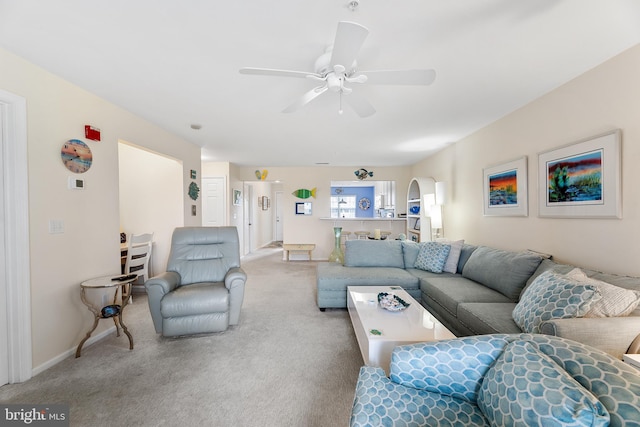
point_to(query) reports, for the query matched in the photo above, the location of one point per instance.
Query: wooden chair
(138, 257)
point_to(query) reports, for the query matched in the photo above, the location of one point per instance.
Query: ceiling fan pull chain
(340, 110)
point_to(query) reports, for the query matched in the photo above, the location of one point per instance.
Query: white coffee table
(412, 325)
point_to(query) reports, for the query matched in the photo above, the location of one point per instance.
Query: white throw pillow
(451, 265)
(615, 301)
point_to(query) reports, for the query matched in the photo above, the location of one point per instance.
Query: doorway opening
(151, 198)
(263, 216)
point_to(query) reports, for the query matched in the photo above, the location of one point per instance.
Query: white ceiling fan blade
(400, 77)
(349, 39)
(361, 78)
(305, 99)
(279, 73)
(361, 106)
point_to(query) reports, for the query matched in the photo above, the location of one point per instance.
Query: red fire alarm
(92, 133)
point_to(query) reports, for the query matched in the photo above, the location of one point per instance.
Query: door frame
(13, 109)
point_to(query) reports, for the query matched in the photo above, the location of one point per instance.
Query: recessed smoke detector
(353, 5)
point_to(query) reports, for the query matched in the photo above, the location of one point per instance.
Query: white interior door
(213, 202)
(278, 216)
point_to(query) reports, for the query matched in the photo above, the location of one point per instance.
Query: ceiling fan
(337, 68)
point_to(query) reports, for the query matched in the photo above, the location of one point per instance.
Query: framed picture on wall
(237, 197)
(505, 189)
(581, 180)
(303, 208)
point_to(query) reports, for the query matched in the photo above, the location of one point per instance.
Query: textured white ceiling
(176, 63)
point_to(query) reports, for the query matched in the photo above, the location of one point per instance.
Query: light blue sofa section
(480, 297)
(453, 382)
(366, 263)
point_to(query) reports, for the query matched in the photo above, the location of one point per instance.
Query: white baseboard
(71, 352)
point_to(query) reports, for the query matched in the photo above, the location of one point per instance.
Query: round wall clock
(364, 203)
(76, 156)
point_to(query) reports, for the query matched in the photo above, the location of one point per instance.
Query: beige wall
(313, 229)
(605, 98)
(56, 112)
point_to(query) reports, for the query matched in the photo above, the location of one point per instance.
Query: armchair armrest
(234, 281)
(157, 287)
(613, 335)
(167, 281)
(235, 277)
(450, 367)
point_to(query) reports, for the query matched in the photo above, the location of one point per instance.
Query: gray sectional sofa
(479, 298)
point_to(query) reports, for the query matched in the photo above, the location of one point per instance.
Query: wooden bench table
(289, 247)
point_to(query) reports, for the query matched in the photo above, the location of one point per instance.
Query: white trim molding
(16, 191)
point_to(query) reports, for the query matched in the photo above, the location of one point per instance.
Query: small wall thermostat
(75, 183)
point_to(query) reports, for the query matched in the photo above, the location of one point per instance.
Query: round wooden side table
(114, 310)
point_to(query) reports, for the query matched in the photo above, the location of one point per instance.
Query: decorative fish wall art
(362, 173)
(305, 194)
(261, 175)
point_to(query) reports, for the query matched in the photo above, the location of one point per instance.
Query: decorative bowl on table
(391, 302)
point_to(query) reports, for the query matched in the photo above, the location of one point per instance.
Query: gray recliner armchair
(203, 287)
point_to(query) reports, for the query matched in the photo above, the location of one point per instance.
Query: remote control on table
(124, 278)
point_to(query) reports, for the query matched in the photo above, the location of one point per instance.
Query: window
(343, 206)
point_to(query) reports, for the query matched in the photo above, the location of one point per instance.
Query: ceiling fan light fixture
(338, 65)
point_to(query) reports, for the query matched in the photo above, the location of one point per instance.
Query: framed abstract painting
(505, 189)
(581, 180)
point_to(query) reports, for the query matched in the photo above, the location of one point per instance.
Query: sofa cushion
(553, 296)
(453, 367)
(488, 317)
(410, 252)
(432, 256)
(465, 254)
(428, 275)
(379, 401)
(506, 272)
(411, 249)
(450, 291)
(451, 266)
(526, 388)
(195, 299)
(615, 301)
(373, 253)
(336, 277)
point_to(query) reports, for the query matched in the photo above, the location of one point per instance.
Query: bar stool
(361, 235)
(385, 234)
(345, 235)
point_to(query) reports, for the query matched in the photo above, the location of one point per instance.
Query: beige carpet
(286, 364)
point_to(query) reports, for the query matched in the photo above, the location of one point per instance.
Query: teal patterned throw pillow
(527, 388)
(432, 256)
(553, 296)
